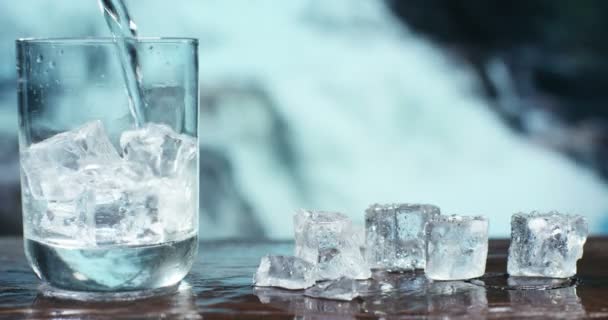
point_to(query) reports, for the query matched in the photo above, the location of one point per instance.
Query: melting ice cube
(165, 152)
(546, 244)
(177, 204)
(396, 238)
(328, 240)
(285, 272)
(48, 163)
(457, 247)
(121, 209)
(77, 187)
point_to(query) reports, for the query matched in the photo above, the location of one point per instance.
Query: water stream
(124, 31)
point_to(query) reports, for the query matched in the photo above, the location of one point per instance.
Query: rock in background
(541, 63)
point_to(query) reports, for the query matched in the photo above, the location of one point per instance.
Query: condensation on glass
(108, 205)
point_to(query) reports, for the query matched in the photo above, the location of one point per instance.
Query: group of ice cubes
(546, 244)
(416, 236)
(327, 247)
(332, 255)
(79, 188)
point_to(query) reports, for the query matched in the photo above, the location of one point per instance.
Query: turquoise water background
(322, 105)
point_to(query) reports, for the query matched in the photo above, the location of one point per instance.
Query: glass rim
(102, 40)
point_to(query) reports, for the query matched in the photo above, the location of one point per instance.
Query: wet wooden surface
(219, 287)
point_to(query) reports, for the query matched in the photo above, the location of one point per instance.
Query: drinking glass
(110, 205)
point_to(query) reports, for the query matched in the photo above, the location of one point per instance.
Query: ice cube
(546, 244)
(65, 219)
(45, 164)
(395, 235)
(125, 216)
(177, 205)
(457, 247)
(327, 240)
(121, 207)
(53, 179)
(121, 173)
(79, 184)
(59, 186)
(131, 205)
(165, 152)
(285, 272)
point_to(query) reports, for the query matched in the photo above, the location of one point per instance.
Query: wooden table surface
(219, 287)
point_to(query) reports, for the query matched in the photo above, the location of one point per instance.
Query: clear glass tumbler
(108, 206)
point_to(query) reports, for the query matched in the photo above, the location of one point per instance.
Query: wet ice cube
(73, 149)
(285, 272)
(128, 216)
(65, 219)
(45, 163)
(165, 152)
(177, 205)
(327, 239)
(457, 247)
(64, 186)
(121, 207)
(546, 244)
(395, 235)
(131, 205)
(121, 173)
(343, 288)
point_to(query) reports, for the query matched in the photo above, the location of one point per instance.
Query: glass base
(117, 268)
(52, 292)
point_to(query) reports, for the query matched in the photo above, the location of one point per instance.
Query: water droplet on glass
(150, 47)
(39, 58)
(52, 64)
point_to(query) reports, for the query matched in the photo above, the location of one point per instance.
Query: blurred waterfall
(334, 105)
